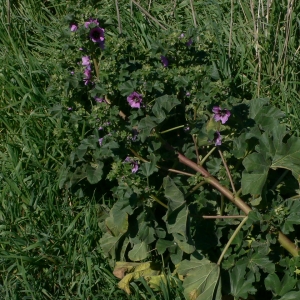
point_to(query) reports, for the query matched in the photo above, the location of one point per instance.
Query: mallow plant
(204, 180)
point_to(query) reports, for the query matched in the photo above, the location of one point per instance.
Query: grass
(49, 238)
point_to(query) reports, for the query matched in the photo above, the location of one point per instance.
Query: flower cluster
(223, 116)
(96, 35)
(88, 70)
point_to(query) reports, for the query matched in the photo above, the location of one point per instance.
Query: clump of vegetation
(149, 149)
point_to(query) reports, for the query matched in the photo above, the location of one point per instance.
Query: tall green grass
(49, 239)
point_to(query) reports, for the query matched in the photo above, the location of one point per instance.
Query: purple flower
(134, 164)
(221, 114)
(87, 24)
(189, 42)
(135, 100)
(164, 61)
(87, 75)
(99, 100)
(135, 167)
(70, 108)
(186, 129)
(97, 34)
(217, 138)
(188, 94)
(100, 128)
(73, 27)
(134, 133)
(100, 141)
(182, 36)
(86, 61)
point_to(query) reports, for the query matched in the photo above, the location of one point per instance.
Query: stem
(222, 205)
(118, 16)
(8, 14)
(196, 187)
(231, 240)
(196, 149)
(171, 129)
(223, 217)
(207, 156)
(148, 15)
(193, 13)
(227, 170)
(283, 240)
(158, 201)
(96, 67)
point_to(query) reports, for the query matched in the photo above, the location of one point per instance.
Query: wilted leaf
(135, 270)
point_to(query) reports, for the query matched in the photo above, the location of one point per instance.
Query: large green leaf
(202, 279)
(109, 244)
(288, 156)
(293, 217)
(138, 252)
(174, 195)
(186, 245)
(176, 221)
(257, 167)
(94, 172)
(294, 295)
(240, 283)
(145, 126)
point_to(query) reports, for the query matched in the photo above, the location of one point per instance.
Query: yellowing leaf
(135, 271)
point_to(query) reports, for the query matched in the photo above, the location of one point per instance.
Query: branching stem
(158, 201)
(171, 129)
(207, 156)
(231, 240)
(227, 171)
(224, 217)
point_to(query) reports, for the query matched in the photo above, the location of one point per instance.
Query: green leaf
(148, 168)
(176, 220)
(138, 252)
(240, 284)
(272, 283)
(202, 279)
(146, 233)
(94, 172)
(164, 105)
(288, 156)
(162, 245)
(145, 127)
(172, 192)
(293, 217)
(255, 176)
(127, 87)
(291, 296)
(256, 106)
(185, 245)
(262, 261)
(109, 244)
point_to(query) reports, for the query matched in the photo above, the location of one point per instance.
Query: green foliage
(89, 184)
